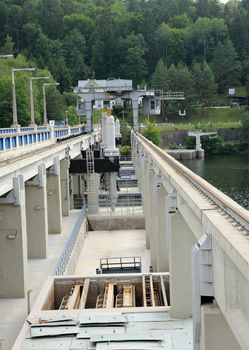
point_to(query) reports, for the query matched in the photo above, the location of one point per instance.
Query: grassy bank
(201, 115)
(200, 126)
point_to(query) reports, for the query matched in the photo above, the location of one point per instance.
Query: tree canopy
(142, 40)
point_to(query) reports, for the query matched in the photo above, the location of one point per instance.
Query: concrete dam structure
(104, 252)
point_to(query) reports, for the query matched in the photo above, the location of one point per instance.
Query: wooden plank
(74, 298)
(110, 296)
(152, 292)
(128, 296)
(84, 294)
(144, 291)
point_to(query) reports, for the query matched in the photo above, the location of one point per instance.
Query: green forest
(200, 47)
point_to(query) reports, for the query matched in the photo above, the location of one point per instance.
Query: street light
(45, 119)
(32, 108)
(15, 121)
(66, 121)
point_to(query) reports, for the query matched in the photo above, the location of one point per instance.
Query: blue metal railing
(13, 138)
(65, 256)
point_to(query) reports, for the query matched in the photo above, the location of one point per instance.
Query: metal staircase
(90, 173)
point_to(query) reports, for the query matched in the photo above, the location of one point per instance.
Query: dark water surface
(229, 173)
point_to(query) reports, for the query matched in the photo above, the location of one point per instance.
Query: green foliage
(125, 150)
(204, 83)
(152, 134)
(245, 126)
(171, 43)
(247, 92)
(216, 145)
(226, 66)
(125, 131)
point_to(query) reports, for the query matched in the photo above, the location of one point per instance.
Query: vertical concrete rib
(36, 215)
(65, 197)
(54, 198)
(163, 259)
(182, 241)
(13, 242)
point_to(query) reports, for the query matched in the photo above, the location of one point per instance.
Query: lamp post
(66, 120)
(15, 121)
(32, 108)
(45, 119)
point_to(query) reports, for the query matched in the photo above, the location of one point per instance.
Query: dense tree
(144, 40)
(159, 78)
(204, 83)
(171, 43)
(247, 92)
(226, 66)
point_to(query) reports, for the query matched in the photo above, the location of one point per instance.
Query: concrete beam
(36, 215)
(13, 242)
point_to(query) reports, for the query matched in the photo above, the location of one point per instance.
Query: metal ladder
(90, 169)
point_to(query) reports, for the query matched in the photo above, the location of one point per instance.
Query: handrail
(225, 203)
(14, 138)
(65, 256)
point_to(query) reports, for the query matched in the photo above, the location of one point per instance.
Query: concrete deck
(101, 244)
(14, 311)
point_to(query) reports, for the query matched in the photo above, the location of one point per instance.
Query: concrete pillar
(143, 179)
(54, 198)
(93, 181)
(88, 105)
(153, 213)
(65, 197)
(140, 170)
(36, 215)
(135, 114)
(149, 173)
(163, 258)
(182, 241)
(215, 331)
(13, 242)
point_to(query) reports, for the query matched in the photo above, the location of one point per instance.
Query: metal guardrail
(125, 158)
(122, 264)
(15, 138)
(65, 256)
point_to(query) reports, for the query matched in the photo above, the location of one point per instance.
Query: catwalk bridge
(196, 235)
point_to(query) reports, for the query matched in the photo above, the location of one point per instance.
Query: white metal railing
(170, 95)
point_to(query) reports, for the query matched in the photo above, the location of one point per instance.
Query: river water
(228, 173)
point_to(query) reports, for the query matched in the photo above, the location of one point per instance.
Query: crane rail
(226, 206)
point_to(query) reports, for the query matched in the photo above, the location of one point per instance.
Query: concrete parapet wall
(116, 223)
(180, 137)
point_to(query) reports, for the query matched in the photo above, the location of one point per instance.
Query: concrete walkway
(102, 244)
(14, 311)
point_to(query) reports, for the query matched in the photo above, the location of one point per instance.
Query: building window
(152, 105)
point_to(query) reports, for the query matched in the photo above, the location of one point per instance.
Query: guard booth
(151, 105)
